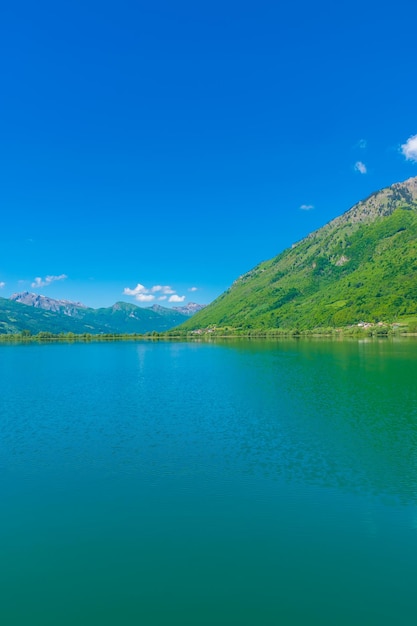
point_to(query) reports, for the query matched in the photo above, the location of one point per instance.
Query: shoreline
(335, 335)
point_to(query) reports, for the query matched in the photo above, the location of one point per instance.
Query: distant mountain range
(361, 266)
(36, 313)
(49, 304)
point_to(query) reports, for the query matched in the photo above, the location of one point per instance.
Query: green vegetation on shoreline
(212, 334)
(45, 337)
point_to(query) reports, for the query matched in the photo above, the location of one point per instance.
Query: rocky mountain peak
(48, 304)
(190, 308)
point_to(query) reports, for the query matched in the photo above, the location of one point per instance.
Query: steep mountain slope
(129, 318)
(360, 266)
(16, 317)
(42, 314)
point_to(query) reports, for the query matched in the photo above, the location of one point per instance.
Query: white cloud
(360, 167)
(166, 289)
(409, 149)
(143, 294)
(44, 282)
(176, 298)
(139, 289)
(193, 289)
(143, 297)
(306, 207)
(362, 143)
(2, 284)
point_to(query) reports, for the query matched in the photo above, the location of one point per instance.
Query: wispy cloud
(2, 284)
(44, 282)
(360, 167)
(193, 289)
(166, 289)
(409, 149)
(362, 144)
(176, 298)
(307, 207)
(144, 297)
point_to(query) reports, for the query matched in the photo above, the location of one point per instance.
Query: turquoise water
(243, 483)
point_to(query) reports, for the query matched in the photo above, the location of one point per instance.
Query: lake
(233, 483)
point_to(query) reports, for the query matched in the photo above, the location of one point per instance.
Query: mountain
(190, 308)
(37, 313)
(361, 266)
(48, 304)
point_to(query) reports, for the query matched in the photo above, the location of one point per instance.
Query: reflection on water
(232, 483)
(337, 414)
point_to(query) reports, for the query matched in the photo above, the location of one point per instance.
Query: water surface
(234, 483)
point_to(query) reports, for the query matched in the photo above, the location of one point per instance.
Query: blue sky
(154, 151)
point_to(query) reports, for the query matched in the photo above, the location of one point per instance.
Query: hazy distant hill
(37, 313)
(360, 266)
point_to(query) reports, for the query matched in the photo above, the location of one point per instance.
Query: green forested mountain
(361, 266)
(63, 317)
